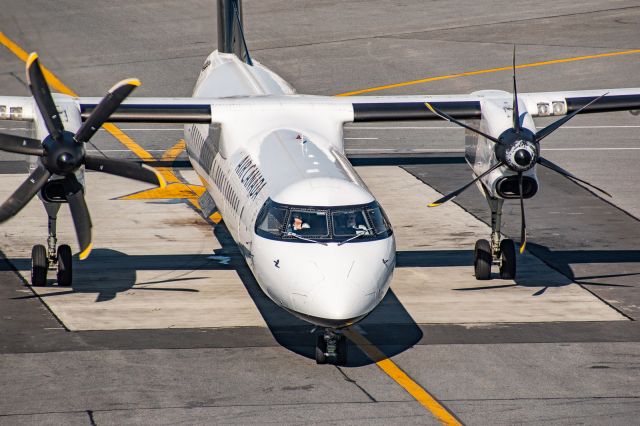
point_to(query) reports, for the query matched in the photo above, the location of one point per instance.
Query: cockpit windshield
(334, 224)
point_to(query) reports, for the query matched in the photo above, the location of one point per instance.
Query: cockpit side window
(272, 220)
(380, 223)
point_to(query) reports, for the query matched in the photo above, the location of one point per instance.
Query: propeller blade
(516, 111)
(523, 226)
(105, 108)
(552, 166)
(24, 193)
(42, 95)
(20, 145)
(127, 169)
(447, 117)
(460, 190)
(556, 124)
(74, 193)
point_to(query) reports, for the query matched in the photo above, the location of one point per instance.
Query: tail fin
(230, 32)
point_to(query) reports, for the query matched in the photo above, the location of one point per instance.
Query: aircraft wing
(539, 104)
(365, 108)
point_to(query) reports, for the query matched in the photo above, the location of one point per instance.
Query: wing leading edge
(366, 109)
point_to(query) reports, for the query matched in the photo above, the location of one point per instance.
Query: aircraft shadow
(562, 261)
(109, 272)
(389, 326)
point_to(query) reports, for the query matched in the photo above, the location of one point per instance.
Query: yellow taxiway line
(488, 71)
(401, 378)
(63, 88)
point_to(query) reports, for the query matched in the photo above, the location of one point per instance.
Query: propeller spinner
(62, 153)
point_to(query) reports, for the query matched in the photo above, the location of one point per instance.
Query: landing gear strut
(331, 347)
(53, 256)
(499, 252)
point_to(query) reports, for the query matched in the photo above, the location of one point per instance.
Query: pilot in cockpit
(298, 224)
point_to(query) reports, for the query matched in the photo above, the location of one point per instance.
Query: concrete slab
(439, 286)
(153, 266)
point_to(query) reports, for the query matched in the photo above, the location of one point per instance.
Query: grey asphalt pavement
(557, 373)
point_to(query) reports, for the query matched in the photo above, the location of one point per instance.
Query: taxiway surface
(165, 323)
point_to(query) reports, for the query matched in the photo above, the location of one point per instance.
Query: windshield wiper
(293, 234)
(360, 234)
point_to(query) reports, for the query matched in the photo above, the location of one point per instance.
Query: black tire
(39, 266)
(65, 266)
(321, 350)
(482, 260)
(342, 351)
(508, 260)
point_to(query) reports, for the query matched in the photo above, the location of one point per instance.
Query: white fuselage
(288, 155)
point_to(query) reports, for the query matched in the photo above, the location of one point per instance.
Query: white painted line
(151, 129)
(102, 130)
(404, 128)
(371, 139)
(123, 150)
(593, 149)
(597, 127)
(418, 151)
(400, 151)
(459, 128)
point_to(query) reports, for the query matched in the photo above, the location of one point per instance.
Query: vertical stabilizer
(230, 30)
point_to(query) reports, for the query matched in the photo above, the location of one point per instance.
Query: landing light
(559, 108)
(543, 109)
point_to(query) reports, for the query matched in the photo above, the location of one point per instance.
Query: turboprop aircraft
(273, 164)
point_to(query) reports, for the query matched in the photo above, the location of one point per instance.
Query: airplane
(273, 164)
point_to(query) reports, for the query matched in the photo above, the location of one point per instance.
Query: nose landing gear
(331, 348)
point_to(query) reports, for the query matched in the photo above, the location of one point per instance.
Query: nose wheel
(331, 348)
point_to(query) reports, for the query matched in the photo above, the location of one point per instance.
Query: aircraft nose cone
(522, 157)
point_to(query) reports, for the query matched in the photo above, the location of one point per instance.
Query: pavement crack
(402, 34)
(350, 380)
(537, 18)
(92, 421)
(20, 80)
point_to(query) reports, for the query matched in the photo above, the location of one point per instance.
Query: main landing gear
(331, 347)
(51, 257)
(499, 252)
